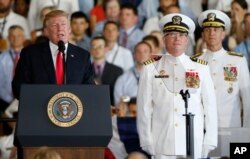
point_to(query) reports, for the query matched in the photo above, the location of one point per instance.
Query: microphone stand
(189, 126)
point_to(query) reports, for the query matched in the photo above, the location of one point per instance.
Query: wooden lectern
(84, 140)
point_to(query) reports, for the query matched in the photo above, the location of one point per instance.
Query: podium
(86, 139)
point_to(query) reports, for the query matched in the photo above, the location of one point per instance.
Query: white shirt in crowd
(36, 6)
(15, 19)
(121, 57)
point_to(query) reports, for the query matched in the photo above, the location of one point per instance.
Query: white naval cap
(177, 22)
(214, 18)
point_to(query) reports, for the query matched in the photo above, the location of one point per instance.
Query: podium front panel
(34, 128)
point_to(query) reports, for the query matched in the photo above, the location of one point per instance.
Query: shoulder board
(197, 55)
(152, 60)
(235, 53)
(203, 62)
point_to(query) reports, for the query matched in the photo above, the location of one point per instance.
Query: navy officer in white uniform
(229, 71)
(160, 121)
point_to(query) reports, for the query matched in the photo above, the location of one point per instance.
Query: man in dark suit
(104, 72)
(38, 63)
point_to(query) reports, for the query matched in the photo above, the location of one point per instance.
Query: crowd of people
(145, 51)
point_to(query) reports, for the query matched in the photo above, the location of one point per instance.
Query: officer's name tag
(162, 74)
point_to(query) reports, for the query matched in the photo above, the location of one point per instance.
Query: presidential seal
(65, 109)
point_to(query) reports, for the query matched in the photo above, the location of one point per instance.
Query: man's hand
(205, 150)
(12, 108)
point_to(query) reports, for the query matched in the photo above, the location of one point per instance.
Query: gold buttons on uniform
(175, 64)
(176, 110)
(176, 125)
(176, 78)
(214, 74)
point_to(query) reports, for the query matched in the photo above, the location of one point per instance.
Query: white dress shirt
(6, 69)
(36, 6)
(121, 57)
(15, 19)
(126, 85)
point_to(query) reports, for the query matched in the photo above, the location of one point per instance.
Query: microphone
(185, 95)
(61, 46)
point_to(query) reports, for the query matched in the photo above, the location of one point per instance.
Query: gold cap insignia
(176, 20)
(211, 16)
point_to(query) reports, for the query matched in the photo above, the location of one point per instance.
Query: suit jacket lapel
(48, 63)
(105, 71)
(70, 65)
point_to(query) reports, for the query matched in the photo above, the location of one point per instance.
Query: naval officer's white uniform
(160, 120)
(230, 75)
(232, 86)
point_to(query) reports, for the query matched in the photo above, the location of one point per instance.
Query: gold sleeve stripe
(200, 61)
(152, 60)
(203, 62)
(196, 55)
(149, 61)
(235, 53)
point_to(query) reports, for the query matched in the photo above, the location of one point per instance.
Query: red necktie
(59, 68)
